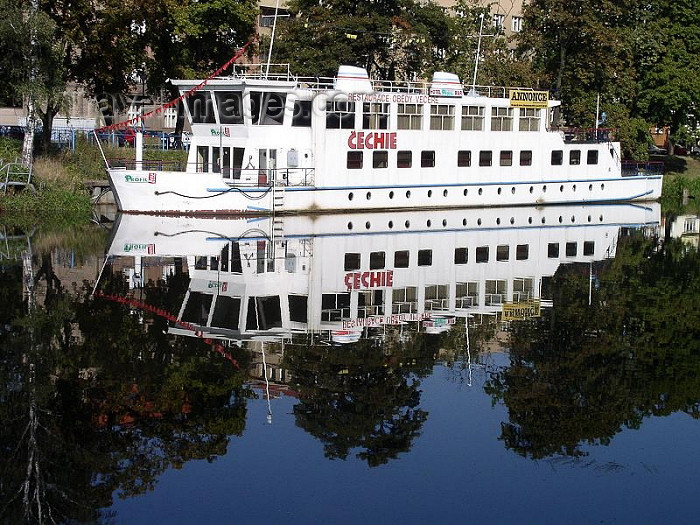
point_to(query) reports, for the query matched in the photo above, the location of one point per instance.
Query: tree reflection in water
(580, 374)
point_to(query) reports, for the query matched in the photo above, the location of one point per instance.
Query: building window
(442, 116)
(473, 118)
(588, 248)
(557, 157)
(340, 114)
(526, 158)
(502, 252)
(375, 115)
(425, 257)
(409, 116)
(352, 262)
(575, 157)
(482, 254)
(522, 252)
(302, 114)
(485, 158)
(380, 159)
(377, 260)
(501, 119)
(553, 250)
(499, 21)
(517, 24)
(529, 119)
(592, 156)
(427, 159)
(461, 255)
(464, 159)
(169, 117)
(506, 158)
(354, 160)
(571, 249)
(404, 159)
(401, 259)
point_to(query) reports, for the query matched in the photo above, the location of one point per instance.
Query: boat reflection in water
(342, 276)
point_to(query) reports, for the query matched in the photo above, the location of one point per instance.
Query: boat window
(352, 262)
(375, 115)
(216, 159)
(409, 116)
(571, 249)
(575, 157)
(461, 255)
(473, 118)
(404, 159)
(401, 259)
(553, 250)
(529, 119)
(442, 116)
(522, 252)
(464, 159)
(485, 158)
(427, 159)
(354, 161)
(404, 300)
(482, 254)
(202, 158)
(340, 114)
(502, 252)
(237, 162)
(425, 257)
(588, 247)
(227, 311)
(501, 119)
(592, 156)
(197, 308)
(335, 307)
(526, 158)
(506, 158)
(226, 163)
(557, 157)
(230, 105)
(267, 108)
(302, 114)
(298, 308)
(201, 108)
(264, 313)
(380, 159)
(377, 260)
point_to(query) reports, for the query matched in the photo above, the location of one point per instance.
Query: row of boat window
(404, 158)
(268, 108)
(482, 254)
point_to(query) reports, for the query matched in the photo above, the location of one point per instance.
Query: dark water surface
(508, 365)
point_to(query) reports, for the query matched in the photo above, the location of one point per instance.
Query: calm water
(512, 365)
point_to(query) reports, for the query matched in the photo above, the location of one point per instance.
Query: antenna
(272, 39)
(472, 92)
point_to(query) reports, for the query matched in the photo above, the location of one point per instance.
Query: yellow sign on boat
(526, 98)
(521, 310)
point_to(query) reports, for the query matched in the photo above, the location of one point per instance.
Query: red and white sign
(372, 140)
(378, 279)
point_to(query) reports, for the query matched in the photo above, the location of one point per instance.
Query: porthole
(391, 224)
(544, 220)
(589, 218)
(499, 191)
(367, 225)
(590, 187)
(444, 193)
(481, 191)
(600, 218)
(428, 223)
(529, 220)
(407, 224)
(574, 187)
(544, 188)
(430, 193)
(573, 219)
(464, 222)
(561, 219)
(512, 190)
(512, 220)
(369, 195)
(349, 226)
(408, 194)
(561, 188)
(532, 189)
(498, 220)
(478, 221)
(602, 187)
(444, 223)
(391, 194)
(350, 196)
(465, 192)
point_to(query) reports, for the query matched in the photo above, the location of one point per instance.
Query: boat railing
(151, 165)
(631, 168)
(589, 135)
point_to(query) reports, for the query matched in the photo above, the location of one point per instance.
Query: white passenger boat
(339, 274)
(268, 144)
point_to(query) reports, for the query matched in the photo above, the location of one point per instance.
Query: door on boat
(267, 166)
